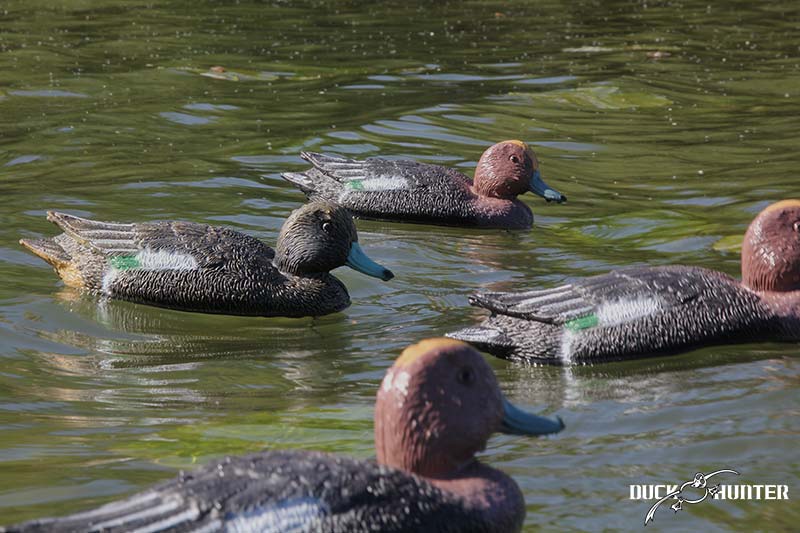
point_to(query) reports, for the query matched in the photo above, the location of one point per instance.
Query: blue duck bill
(538, 186)
(518, 422)
(358, 260)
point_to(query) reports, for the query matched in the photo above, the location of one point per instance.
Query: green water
(105, 111)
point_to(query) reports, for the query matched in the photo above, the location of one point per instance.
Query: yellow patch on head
(525, 147)
(783, 204)
(415, 351)
(519, 143)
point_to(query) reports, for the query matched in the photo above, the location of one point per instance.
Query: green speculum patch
(355, 185)
(125, 262)
(584, 322)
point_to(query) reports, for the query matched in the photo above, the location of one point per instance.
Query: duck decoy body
(410, 191)
(642, 311)
(196, 267)
(437, 407)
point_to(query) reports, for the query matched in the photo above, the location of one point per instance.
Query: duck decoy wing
(627, 294)
(210, 246)
(108, 238)
(162, 245)
(237, 494)
(379, 174)
(155, 510)
(276, 492)
(384, 188)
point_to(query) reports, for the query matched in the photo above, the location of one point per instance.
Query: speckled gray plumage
(308, 490)
(211, 269)
(643, 311)
(429, 193)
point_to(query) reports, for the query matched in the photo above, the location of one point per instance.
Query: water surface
(668, 126)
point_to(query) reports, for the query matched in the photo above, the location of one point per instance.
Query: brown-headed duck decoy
(406, 190)
(643, 311)
(436, 408)
(209, 269)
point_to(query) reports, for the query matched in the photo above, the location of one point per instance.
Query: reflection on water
(668, 127)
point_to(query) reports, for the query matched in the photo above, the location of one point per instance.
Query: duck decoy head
(438, 405)
(771, 249)
(510, 168)
(319, 237)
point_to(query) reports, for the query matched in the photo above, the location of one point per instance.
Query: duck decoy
(642, 311)
(407, 190)
(195, 267)
(436, 407)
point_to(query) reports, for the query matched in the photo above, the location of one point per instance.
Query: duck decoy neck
(493, 494)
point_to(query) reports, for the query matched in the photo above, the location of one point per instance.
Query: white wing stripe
(289, 517)
(562, 305)
(545, 292)
(123, 234)
(539, 301)
(165, 260)
(622, 311)
(165, 507)
(572, 313)
(119, 250)
(113, 242)
(117, 507)
(189, 514)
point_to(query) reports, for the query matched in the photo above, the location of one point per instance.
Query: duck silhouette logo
(682, 494)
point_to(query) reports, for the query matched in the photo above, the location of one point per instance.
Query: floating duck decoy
(406, 190)
(437, 406)
(643, 311)
(195, 267)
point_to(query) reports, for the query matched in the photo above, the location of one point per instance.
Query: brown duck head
(510, 168)
(771, 249)
(437, 407)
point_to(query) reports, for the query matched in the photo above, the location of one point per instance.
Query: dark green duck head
(319, 237)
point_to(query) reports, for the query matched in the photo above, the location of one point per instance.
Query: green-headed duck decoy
(406, 190)
(195, 267)
(436, 408)
(642, 311)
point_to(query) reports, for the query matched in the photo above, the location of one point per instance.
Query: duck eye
(466, 376)
(514, 159)
(326, 227)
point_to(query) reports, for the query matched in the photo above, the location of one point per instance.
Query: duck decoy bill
(519, 422)
(358, 260)
(538, 186)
